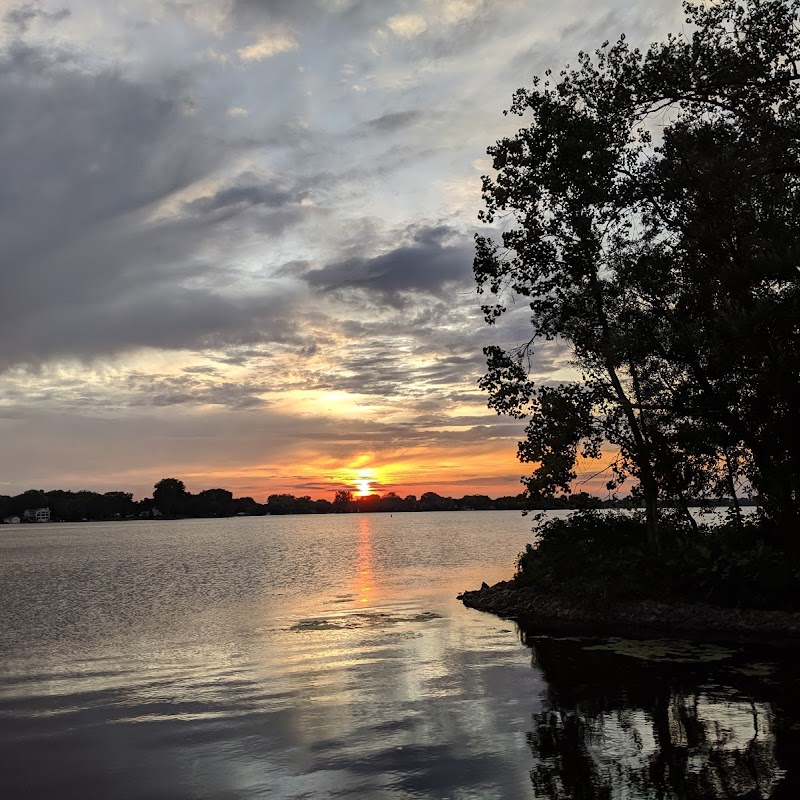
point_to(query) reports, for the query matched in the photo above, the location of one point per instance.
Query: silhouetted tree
(368, 503)
(323, 506)
(669, 268)
(430, 501)
(31, 498)
(213, 503)
(342, 501)
(280, 504)
(477, 502)
(170, 496)
(5, 506)
(392, 502)
(248, 506)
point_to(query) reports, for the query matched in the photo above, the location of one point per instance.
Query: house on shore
(12, 520)
(36, 515)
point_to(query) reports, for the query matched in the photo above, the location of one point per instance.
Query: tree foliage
(649, 214)
(170, 496)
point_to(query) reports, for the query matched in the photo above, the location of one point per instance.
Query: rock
(530, 606)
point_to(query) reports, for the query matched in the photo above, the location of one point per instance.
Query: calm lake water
(327, 656)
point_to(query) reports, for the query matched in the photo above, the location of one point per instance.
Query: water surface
(327, 656)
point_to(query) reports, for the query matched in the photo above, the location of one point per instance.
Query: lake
(327, 656)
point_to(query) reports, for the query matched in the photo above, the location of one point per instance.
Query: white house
(36, 515)
(12, 520)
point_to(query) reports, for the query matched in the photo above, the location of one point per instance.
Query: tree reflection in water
(619, 726)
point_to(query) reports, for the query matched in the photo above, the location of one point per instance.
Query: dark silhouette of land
(171, 500)
(667, 265)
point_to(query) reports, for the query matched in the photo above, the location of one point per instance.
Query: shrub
(601, 557)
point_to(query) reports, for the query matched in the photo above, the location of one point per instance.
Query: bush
(601, 557)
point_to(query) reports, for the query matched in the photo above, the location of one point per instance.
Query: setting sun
(364, 487)
(364, 481)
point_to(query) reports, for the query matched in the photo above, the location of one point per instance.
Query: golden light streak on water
(365, 576)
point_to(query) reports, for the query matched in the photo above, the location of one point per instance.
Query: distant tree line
(171, 500)
(345, 502)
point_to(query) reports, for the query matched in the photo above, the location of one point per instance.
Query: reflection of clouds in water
(711, 747)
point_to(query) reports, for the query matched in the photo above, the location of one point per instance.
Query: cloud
(267, 46)
(458, 10)
(21, 17)
(250, 12)
(85, 268)
(195, 389)
(342, 19)
(245, 194)
(434, 256)
(395, 121)
(215, 255)
(407, 26)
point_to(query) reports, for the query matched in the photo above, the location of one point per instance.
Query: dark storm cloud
(429, 261)
(85, 267)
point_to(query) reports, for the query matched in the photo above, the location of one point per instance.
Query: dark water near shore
(327, 656)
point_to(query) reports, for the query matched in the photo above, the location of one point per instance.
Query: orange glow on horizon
(482, 467)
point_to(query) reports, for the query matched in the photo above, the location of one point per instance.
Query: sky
(236, 238)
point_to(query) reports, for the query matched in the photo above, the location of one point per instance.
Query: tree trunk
(642, 450)
(650, 491)
(732, 489)
(688, 514)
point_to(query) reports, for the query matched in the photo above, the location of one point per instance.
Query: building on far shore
(12, 520)
(36, 515)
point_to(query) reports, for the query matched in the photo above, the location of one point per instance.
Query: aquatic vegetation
(756, 669)
(664, 650)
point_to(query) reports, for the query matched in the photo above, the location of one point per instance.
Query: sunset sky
(237, 238)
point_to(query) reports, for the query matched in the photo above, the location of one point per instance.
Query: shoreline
(542, 612)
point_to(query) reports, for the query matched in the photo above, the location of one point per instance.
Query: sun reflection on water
(365, 578)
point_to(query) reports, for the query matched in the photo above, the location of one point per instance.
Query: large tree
(649, 213)
(170, 496)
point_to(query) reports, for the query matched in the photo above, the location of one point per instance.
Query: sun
(364, 482)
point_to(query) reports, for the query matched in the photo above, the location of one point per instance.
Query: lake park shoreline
(547, 612)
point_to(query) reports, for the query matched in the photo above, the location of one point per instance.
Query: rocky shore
(539, 611)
